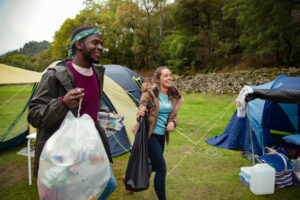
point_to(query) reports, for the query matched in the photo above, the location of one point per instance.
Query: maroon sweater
(90, 101)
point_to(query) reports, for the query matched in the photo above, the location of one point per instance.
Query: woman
(162, 119)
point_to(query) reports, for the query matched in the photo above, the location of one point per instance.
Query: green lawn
(195, 170)
(12, 101)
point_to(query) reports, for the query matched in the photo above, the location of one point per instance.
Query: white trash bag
(73, 163)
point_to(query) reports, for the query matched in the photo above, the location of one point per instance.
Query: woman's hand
(142, 111)
(170, 126)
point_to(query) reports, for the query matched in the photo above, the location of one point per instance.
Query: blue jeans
(110, 187)
(156, 146)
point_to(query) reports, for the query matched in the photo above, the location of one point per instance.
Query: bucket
(262, 179)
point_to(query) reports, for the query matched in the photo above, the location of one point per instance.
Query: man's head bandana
(81, 35)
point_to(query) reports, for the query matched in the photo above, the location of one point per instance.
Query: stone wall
(230, 83)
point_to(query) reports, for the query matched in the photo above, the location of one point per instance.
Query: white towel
(240, 101)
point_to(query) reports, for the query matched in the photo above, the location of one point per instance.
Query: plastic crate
(244, 181)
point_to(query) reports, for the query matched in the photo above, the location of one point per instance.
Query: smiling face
(165, 79)
(92, 48)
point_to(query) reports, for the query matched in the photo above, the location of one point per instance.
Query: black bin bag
(139, 168)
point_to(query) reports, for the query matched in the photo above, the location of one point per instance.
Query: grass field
(12, 101)
(195, 170)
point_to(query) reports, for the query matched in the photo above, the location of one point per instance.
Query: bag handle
(148, 107)
(79, 108)
(281, 155)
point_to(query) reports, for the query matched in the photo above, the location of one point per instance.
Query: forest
(185, 35)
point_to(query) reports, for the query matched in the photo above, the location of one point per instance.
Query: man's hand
(71, 99)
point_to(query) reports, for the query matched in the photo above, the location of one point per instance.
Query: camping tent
(15, 133)
(14, 75)
(266, 112)
(121, 94)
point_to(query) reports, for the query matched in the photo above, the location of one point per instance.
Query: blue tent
(264, 113)
(123, 76)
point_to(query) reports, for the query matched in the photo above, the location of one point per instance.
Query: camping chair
(29, 137)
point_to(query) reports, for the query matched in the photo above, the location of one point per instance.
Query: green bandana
(81, 35)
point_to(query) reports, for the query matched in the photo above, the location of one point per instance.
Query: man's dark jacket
(46, 112)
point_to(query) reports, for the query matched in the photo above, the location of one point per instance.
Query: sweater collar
(66, 78)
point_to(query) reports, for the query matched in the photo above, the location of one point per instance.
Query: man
(63, 86)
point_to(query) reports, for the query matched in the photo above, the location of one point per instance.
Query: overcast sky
(22, 21)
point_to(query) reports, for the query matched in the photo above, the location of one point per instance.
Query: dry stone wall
(230, 83)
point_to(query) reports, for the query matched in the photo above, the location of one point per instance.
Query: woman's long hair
(173, 93)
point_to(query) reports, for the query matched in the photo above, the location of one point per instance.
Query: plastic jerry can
(262, 179)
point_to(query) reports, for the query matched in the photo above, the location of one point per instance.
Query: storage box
(245, 176)
(246, 172)
(244, 181)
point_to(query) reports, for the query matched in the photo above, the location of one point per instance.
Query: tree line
(188, 35)
(33, 56)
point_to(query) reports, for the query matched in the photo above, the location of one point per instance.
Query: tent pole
(251, 134)
(261, 132)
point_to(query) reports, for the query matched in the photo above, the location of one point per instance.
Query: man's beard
(86, 55)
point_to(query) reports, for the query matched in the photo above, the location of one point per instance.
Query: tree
(95, 15)
(268, 28)
(33, 48)
(32, 56)
(146, 37)
(41, 61)
(178, 51)
(188, 34)
(200, 19)
(127, 21)
(62, 39)
(21, 61)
